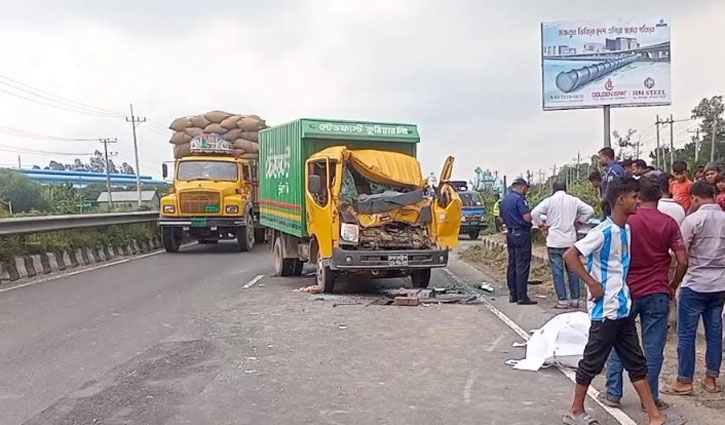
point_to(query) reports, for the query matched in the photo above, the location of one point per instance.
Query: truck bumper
(202, 222)
(344, 259)
(465, 228)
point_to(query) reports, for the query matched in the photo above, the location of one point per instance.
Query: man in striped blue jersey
(607, 250)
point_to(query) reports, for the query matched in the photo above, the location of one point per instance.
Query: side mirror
(315, 184)
(164, 170)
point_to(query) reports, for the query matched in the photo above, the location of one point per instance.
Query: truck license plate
(398, 260)
(474, 223)
(198, 222)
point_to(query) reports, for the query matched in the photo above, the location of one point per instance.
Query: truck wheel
(420, 278)
(282, 266)
(473, 234)
(259, 235)
(245, 236)
(171, 238)
(325, 277)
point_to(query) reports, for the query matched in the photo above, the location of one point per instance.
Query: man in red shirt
(681, 187)
(654, 236)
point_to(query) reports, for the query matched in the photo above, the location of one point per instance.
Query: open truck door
(448, 208)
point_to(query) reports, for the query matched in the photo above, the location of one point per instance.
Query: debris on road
(342, 327)
(487, 287)
(313, 289)
(406, 301)
(346, 303)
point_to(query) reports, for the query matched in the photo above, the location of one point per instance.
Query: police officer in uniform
(516, 214)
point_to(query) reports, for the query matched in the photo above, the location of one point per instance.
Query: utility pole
(134, 122)
(712, 143)
(697, 145)
(657, 125)
(637, 147)
(672, 142)
(578, 160)
(108, 172)
(20, 163)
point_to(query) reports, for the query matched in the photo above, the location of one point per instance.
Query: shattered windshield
(471, 199)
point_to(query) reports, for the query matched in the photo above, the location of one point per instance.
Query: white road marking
(494, 344)
(253, 281)
(618, 415)
(469, 386)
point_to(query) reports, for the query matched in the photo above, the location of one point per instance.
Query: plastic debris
(313, 289)
(486, 287)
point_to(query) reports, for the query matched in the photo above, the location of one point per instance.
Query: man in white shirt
(557, 216)
(667, 205)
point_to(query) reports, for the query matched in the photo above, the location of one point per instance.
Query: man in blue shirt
(612, 168)
(517, 216)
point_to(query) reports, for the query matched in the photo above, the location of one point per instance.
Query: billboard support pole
(607, 125)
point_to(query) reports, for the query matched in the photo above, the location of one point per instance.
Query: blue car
(474, 218)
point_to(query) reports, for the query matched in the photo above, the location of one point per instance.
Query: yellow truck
(214, 197)
(349, 196)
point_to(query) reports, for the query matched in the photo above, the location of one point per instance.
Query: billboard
(590, 64)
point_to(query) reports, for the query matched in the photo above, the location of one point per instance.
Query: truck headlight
(169, 209)
(350, 233)
(232, 209)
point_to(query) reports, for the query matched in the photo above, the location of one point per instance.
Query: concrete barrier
(29, 266)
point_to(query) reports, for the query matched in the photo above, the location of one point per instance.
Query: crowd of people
(662, 237)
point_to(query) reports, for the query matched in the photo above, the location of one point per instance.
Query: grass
(39, 243)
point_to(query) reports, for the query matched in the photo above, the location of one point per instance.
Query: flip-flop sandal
(674, 420)
(581, 419)
(671, 391)
(708, 390)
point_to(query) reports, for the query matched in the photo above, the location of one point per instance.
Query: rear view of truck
(349, 196)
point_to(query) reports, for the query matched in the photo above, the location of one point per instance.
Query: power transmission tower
(637, 147)
(108, 171)
(578, 160)
(134, 120)
(697, 144)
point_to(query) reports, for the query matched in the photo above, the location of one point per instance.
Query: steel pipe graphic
(568, 81)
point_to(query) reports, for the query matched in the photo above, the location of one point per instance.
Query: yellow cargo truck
(350, 197)
(214, 197)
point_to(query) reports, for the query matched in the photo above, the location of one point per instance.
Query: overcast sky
(466, 72)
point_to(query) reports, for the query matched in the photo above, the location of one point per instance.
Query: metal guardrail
(26, 225)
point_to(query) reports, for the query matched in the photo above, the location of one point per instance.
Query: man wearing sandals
(703, 291)
(607, 248)
(654, 236)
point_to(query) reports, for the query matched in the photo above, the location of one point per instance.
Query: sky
(468, 73)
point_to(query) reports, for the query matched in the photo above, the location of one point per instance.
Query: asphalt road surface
(176, 338)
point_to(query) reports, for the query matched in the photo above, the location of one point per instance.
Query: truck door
(319, 178)
(447, 208)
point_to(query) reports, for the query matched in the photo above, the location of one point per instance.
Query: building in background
(129, 200)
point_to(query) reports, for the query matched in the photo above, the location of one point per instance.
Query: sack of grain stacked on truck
(241, 130)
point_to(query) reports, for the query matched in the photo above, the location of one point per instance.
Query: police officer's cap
(520, 182)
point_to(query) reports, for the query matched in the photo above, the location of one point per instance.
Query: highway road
(178, 338)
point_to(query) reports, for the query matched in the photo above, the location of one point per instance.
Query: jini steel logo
(649, 82)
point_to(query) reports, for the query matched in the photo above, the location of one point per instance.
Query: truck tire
(282, 266)
(259, 235)
(171, 238)
(325, 277)
(245, 235)
(473, 234)
(420, 278)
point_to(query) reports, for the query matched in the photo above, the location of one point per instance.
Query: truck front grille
(199, 202)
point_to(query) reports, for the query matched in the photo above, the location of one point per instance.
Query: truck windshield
(208, 170)
(471, 199)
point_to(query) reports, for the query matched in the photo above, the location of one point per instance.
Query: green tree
(24, 194)
(62, 199)
(710, 111)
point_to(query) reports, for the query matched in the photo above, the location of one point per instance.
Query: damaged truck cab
(350, 197)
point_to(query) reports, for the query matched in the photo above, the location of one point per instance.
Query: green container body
(285, 148)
